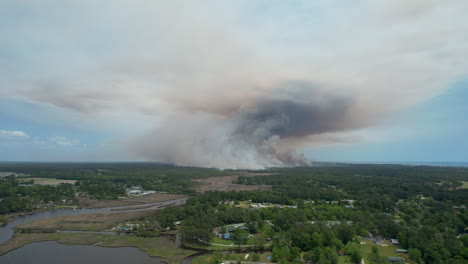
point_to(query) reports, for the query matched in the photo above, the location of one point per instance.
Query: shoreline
(156, 247)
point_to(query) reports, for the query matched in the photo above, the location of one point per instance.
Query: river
(52, 252)
(7, 231)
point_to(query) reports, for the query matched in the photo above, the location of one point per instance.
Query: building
(394, 241)
(396, 260)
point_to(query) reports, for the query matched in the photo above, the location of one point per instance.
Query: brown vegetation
(84, 222)
(225, 183)
(152, 198)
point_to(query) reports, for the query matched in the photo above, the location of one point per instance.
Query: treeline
(109, 180)
(320, 231)
(375, 186)
(15, 197)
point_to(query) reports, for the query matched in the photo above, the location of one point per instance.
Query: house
(348, 201)
(399, 250)
(226, 236)
(397, 260)
(394, 241)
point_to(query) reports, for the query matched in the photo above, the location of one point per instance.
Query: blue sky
(432, 131)
(243, 84)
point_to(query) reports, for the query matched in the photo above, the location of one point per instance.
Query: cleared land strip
(225, 183)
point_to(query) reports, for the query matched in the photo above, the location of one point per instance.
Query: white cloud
(13, 134)
(64, 142)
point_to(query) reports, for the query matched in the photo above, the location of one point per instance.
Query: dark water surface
(7, 231)
(53, 252)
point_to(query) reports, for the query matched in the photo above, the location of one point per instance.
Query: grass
(202, 259)
(218, 240)
(465, 185)
(155, 246)
(385, 251)
(48, 181)
(366, 249)
(232, 257)
(84, 222)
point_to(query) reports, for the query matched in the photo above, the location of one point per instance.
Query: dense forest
(105, 181)
(423, 207)
(312, 214)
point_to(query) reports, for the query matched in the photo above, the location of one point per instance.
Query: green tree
(240, 237)
(255, 257)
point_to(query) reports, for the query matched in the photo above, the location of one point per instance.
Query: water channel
(52, 252)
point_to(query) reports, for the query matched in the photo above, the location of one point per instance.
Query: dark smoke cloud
(253, 135)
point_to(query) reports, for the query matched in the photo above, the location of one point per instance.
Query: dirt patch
(152, 198)
(225, 183)
(84, 222)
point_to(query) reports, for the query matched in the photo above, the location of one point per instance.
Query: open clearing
(48, 181)
(225, 183)
(154, 246)
(152, 198)
(85, 222)
(464, 185)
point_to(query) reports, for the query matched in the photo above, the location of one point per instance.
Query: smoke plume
(235, 84)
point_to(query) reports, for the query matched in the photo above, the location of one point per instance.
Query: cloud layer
(241, 84)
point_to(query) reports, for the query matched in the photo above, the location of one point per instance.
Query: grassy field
(48, 181)
(218, 240)
(387, 250)
(465, 185)
(231, 257)
(85, 222)
(155, 246)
